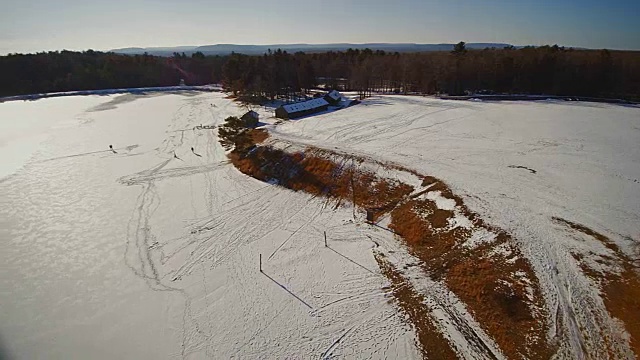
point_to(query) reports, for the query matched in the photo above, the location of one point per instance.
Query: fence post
(325, 239)
(353, 193)
(260, 262)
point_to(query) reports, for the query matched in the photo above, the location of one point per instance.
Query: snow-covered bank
(585, 159)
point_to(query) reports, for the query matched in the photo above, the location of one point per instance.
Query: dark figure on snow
(111, 147)
(194, 152)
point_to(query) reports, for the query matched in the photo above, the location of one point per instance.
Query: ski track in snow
(230, 307)
(264, 214)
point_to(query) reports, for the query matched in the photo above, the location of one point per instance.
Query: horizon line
(192, 47)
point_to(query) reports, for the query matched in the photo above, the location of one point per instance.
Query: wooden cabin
(250, 119)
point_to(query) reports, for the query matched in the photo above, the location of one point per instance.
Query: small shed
(250, 119)
(292, 111)
(333, 97)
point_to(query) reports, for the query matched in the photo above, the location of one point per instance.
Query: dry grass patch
(494, 280)
(431, 342)
(258, 136)
(319, 176)
(621, 291)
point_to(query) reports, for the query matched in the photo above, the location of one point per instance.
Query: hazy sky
(37, 25)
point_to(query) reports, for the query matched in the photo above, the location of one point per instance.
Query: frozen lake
(140, 254)
(66, 291)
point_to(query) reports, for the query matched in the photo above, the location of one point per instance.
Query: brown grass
(621, 291)
(321, 177)
(258, 136)
(431, 343)
(486, 283)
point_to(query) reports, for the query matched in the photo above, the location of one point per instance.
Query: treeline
(548, 70)
(275, 74)
(92, 70)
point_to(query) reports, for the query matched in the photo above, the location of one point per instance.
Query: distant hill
(225, 49)
(161, 51)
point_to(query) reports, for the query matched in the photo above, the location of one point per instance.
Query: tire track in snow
(141, 240)
(295, 232)
(220, 237)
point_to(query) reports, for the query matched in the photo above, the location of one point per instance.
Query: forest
(548, 70)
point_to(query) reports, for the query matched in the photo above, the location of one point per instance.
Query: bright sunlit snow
(152, 251)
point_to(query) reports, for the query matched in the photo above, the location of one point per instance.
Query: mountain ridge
(225, 49)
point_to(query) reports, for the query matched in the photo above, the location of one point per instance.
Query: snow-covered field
(585, 157)
(153, 251)
(519, 165)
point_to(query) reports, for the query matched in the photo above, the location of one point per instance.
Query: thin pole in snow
(260, 262)
(325, 239)
(353, 189)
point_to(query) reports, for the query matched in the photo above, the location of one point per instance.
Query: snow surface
(143, 90)
(441, 202)
(586, 158)
(144, 255)
(153, 252)
(586, 155)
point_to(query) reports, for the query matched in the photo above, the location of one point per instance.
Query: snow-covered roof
(253, 114)
(335, 95)
(305, 105)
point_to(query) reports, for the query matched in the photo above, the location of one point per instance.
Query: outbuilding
(250, 119)
(292, 111)
(333, 97)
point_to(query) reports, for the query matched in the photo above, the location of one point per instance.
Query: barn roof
(305, 105)
(335, 95)
(252, 113)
